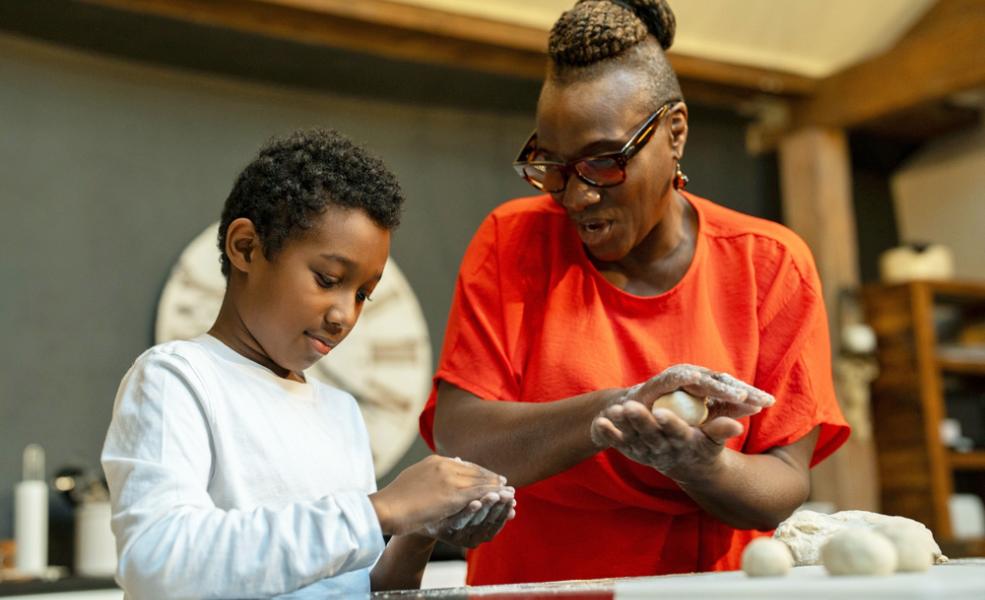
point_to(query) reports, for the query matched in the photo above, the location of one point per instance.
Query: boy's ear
(242, 244)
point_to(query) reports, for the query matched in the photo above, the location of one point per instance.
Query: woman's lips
(594, 231)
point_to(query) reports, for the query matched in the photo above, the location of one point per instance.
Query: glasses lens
(601, 171)
(549, 178)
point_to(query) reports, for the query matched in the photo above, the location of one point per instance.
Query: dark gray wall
(109, 167)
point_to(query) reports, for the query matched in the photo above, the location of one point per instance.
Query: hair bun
(656, 15)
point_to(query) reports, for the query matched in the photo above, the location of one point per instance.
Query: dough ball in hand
(913, 555)
(691, 409)
(766, 557)
(858, 551)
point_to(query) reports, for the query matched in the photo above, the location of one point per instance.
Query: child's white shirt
(228, 481)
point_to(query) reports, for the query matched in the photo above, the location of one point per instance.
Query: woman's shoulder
(517, 227)
(528, 211)
(764, 241)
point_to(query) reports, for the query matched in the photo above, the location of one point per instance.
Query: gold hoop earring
(680, 179)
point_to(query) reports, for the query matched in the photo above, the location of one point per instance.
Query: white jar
(95, 546)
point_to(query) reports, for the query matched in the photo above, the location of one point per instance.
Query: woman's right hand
(432, 490)
(727, 396)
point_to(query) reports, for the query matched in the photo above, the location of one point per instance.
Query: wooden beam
(414, 33)
(370, 26)
(944, 53)
(742, 77)
(816, 183)
(815, 178)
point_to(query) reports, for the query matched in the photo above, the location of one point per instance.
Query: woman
(576, 309)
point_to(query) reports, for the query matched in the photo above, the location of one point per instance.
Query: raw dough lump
(912, 552)
(858, 551)
(766, 557)
(691, 409)
(806, 531)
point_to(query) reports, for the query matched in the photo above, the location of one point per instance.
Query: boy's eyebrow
(348, 263)
(339, 258)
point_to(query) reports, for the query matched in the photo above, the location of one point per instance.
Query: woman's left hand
(477, 523)
(662, 440)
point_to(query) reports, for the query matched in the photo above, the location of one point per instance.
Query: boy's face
(306, 300)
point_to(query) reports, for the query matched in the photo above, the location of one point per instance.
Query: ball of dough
(858, 551)
(691, 409)
(912, 552)
(766, 557)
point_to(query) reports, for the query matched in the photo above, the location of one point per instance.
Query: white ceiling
(807, 37)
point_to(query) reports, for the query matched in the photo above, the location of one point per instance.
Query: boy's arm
(173, 541)
(402, 565)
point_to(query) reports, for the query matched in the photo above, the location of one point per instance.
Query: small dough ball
(913, 555)
(691, 409)
(858, 551)
(766, 557)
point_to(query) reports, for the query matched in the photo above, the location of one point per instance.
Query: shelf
(963, 548)
(968, 461)
(963, 367)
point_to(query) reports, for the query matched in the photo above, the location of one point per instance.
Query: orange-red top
(533, 321)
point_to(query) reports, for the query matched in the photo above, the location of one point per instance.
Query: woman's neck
(660, 261)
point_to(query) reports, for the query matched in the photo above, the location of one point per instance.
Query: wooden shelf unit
(961, 367)
(916, 470)
(967, 461)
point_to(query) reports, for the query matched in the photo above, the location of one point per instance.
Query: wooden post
(815, 177)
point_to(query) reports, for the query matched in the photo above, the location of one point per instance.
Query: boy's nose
(338, 319)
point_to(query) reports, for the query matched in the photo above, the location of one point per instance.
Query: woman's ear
(242, 244)
(678, 129)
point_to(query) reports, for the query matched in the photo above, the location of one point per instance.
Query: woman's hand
(472, 526)
(433, 490)
(663, 440)
(727, 396)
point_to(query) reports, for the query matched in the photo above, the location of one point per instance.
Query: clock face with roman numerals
(385, 362)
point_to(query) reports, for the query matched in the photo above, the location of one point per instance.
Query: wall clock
(385, 362)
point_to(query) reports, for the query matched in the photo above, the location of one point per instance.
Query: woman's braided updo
(595, 30)
(596, 34)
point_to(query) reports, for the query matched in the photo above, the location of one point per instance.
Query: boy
(231, 474)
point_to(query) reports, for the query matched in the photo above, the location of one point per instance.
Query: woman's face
(585, 118)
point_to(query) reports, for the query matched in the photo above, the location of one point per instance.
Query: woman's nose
(578, 195)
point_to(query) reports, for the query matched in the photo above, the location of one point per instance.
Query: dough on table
(691, 409)
(912, 552)
(858, 551)
(766, 557)
(806, 531)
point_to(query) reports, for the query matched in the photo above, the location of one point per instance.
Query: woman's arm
(528, 442)
(755, 491)
(746, 491)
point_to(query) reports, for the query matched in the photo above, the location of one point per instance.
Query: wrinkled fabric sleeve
(475, 355)
(173, 542)
(795, 365)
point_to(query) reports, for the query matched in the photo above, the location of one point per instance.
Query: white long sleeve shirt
(228, 481)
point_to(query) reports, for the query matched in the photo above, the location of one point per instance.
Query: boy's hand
(471, 526)
(432, 490)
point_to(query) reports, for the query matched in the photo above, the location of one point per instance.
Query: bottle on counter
(31, 515)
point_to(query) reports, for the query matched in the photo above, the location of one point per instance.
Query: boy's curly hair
(293, 180)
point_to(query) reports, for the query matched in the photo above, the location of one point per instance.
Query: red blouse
(532, 320)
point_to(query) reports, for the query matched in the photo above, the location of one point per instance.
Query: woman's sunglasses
(603, 170)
